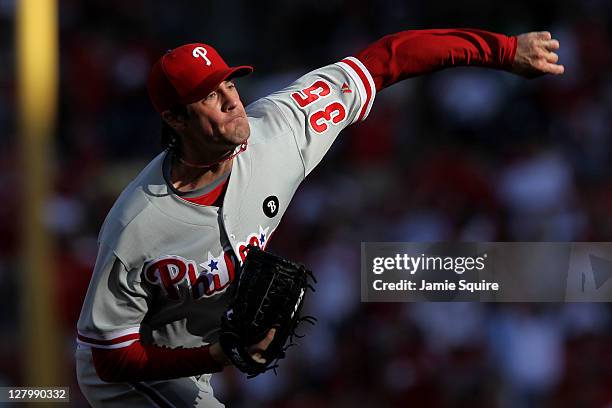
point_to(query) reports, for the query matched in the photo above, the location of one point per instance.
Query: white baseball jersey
(164, 264)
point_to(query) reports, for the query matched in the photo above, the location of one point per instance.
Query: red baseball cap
(187, 74)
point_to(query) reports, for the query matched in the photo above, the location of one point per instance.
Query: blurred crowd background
(463, 154)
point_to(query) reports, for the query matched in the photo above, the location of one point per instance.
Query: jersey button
(232, 236)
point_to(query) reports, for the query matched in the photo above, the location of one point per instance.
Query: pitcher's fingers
(551, 45)
(544, 35)
(257, 357)
(267, 340)
(551, 57)
(555, 69)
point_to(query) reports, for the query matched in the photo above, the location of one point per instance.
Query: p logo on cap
(201, 52)
(187, 74)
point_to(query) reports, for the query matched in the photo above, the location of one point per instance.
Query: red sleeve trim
(115, 341)
(366, 84)
(110, 340)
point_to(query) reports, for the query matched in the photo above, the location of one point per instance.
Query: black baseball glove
(269, 293)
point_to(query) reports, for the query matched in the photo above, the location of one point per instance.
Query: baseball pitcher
(178, 235)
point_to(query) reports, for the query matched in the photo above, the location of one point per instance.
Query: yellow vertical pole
(37, 77)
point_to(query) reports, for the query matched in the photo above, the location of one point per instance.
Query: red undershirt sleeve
(415, 52)
(139, 362)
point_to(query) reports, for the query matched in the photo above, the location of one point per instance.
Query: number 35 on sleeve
(334, 112)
